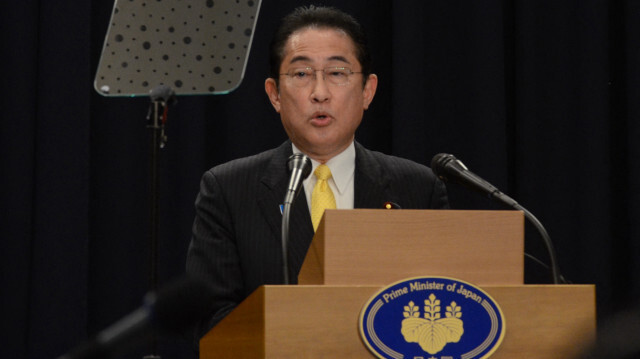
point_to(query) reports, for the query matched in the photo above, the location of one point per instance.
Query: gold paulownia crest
(432, 332)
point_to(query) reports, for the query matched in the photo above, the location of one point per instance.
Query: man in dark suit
(321, 83)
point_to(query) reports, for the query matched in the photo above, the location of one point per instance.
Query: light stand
(166, 48)
(157, 117)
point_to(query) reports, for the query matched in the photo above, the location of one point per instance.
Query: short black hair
(318, 17)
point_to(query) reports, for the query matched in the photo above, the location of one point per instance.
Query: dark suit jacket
(236, 243)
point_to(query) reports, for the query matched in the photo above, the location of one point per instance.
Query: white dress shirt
(342, 169)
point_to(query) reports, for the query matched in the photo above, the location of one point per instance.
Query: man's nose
(320, 91)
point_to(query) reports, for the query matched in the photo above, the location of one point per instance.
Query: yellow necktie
(322, 196)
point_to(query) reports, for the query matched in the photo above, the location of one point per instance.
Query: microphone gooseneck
(299, 165)
(449, 169)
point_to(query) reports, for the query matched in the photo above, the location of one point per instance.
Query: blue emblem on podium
(432, 317)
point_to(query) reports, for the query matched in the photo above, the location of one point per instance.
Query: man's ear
(369, 90)
(271, 88)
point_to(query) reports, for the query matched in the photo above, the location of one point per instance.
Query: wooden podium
(356, 252)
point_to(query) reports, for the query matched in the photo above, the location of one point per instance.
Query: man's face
(321, 118)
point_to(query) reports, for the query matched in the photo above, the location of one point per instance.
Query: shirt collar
(342, 166)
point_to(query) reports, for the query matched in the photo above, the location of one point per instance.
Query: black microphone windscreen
(438, 163)
(434, 161)
(181, 304)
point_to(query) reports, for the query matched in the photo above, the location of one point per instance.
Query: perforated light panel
(192, 46)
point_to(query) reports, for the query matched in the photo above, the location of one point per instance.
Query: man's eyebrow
(299, 59)
(339, 58)
(306, 59)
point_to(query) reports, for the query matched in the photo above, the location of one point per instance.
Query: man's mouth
(320, 119)
(320, 116)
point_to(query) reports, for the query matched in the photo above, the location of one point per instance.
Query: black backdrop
(539, 97)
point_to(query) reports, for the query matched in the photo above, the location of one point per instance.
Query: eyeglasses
(302, 76)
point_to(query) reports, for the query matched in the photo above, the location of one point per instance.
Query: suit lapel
(274, 186)
(300, 233)
(275, 181)
(371, 191)
(371, 185)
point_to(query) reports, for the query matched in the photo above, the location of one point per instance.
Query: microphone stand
(156, 120)
(286, 212)
(503, 198)
(553, 262)
(448, 168)
(555, 275)
(300, 167)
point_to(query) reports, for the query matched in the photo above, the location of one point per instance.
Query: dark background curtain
(541, 98)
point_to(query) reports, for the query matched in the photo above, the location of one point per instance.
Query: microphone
(450, 169)
(299, 165)
(171, 310)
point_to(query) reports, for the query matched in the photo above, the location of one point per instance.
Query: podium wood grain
(542, 321)
(380, 247)
(356, 252)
